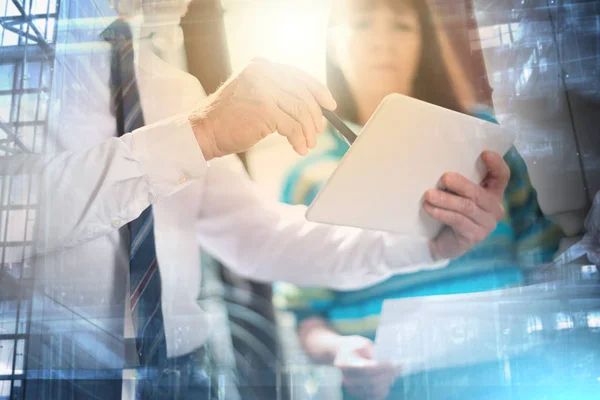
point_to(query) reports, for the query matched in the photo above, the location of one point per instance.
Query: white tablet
(403, 150)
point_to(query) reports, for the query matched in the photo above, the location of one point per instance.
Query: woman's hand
(363, 377)
(470, 212)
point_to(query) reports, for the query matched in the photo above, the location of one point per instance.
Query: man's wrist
(202, 128)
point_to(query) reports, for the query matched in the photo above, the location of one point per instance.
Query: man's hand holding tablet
(416, 145)
(469, 211)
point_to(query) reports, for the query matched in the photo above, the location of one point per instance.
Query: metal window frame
(32, 46)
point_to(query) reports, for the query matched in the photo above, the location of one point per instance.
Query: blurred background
(537, 62)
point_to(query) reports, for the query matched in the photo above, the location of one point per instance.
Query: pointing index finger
(321, 93)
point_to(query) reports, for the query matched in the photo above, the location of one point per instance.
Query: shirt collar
(146, 45)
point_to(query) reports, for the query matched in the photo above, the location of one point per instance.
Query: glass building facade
(537, 62)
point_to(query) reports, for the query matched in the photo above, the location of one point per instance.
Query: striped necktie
(144, 276)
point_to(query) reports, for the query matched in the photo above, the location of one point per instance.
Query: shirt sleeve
(85, 195)
(536, 237)
(301, 186)
(263, 239)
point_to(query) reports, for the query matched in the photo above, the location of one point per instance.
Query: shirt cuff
(408, 254)
(168, 153)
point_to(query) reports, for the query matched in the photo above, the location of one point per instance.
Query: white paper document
(427, 333)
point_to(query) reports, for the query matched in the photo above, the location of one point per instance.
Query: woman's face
(378, 48)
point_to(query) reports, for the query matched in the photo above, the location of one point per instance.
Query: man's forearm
(87, 194)
(265, 240)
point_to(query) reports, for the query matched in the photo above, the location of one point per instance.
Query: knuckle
(252, 92)
(438, 196)
(467, 206)
(453, 219)
(263, 106)
(476, 197)
(302, 109)
(315, 111)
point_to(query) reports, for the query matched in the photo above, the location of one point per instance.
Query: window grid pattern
(27, 39)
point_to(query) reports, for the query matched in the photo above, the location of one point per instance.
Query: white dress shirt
(94, 183)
